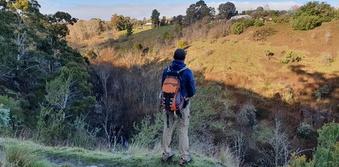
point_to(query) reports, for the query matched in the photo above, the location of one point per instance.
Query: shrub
(312, 15)
(149, 132)
(326, 154)
(299, 161)
(247, 116)
(258, 23)
(9, 108)
(263, 133)
(241, 25)
(269, 54)
(306, 22)
(82, 136)
(328, 146)
(4, 116)
(182, 44)
(323, 92)
(282, 19)
(291, 57)
(328, 59)
(305, 131)
(138, 46)
(237, 28)
(228, 158)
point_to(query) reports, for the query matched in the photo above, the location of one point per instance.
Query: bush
(182, 44)
(282, 19)
(247, 116)
(82, 136)
(241, 25)
(326, 154)
(258, 23)
(306, 22)
(291, 57)
(312, 15)
(328, 59)
(327, 151)
(323, 92)
(299, 161)
(149, 132)
(306, 131)
(138, 46)
(9, 108)
(4, 116)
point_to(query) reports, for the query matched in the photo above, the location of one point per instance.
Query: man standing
(178, 85)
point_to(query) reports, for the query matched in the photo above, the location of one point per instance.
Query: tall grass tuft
(17, 156)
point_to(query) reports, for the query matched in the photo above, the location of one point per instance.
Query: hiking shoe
(167, 156)
(184, 162)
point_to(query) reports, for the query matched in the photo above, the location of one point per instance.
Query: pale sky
(103, 9)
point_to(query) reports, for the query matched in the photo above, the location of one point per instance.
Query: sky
(103, 9)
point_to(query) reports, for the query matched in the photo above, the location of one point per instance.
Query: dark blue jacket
(187, 81)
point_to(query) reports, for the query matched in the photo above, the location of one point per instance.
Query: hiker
(178, 86)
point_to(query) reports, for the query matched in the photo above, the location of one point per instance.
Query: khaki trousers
(169, 126)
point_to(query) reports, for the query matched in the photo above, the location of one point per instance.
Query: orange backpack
(172, 100)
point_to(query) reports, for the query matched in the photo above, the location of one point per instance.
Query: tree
(226, 10)
(163, 21)
(155, 18)
(129, 28)
(118, 21)
(198, 11)
(280, 144)
(179, 20)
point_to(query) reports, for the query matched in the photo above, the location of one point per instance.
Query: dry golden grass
(238, 60)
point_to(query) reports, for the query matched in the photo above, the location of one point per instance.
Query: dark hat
(179, 54)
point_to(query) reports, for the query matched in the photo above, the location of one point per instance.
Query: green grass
(147, 38)
(88, 157)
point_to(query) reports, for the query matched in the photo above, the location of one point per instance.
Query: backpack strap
(178, 72)
(183, 69)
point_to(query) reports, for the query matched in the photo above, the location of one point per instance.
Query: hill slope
(68, 156)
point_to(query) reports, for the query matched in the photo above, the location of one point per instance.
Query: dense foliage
(198, 11)
(326, 154)
(227, 10)
(312, 15)
(41, 76)
(240, 26)
(120, 22)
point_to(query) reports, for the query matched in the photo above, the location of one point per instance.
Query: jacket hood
(177, 65)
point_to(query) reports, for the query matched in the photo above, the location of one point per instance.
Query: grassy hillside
(242, 61)
(68, 156)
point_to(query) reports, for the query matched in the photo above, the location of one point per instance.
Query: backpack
(172, 99)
